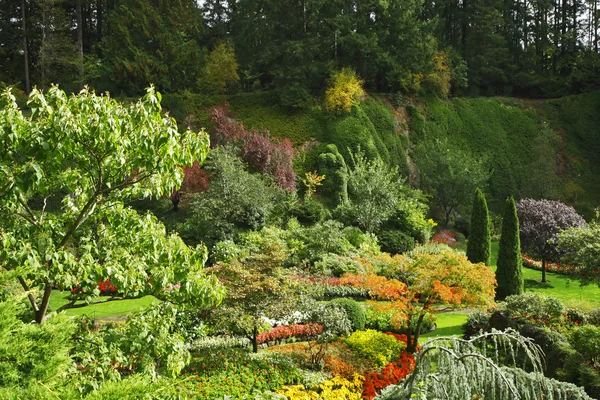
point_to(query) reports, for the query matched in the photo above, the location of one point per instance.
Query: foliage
(310, 211)
(477, 322)
(34, 359)
(582, 248)
(237, 374)
(463, 369)
(220, 69)
(376, 346)
(257, 148)
(257, 287)
(312, 180)
(438, 80)
(540, 223)
(450, 174)
(354, 311)
(391, 374)
(444, 236)
(479, 246)
(332, 165)
(345, 90)
(236, 200)
(556, 268)
(395, 242)
(147, 343)
(509, 272)
(533, 307)
(448, 278)
(66, 171)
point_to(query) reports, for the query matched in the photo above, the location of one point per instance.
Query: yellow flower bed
(337, 388)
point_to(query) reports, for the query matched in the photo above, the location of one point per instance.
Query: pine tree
(509, 272)
(480, 242)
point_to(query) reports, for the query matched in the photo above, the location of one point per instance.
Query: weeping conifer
(509, 272)
(480, 241)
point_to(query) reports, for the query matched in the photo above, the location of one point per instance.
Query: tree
(509, 271)
(257, 287)
(221, 68)
(449, 174)
(480, 241)
(581, 247)
(66, 171)
(448, 278)
(345, 90)
(540, 223)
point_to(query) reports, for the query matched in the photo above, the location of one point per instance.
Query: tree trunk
(25, 49)
(255, 339)
(543, 270)
(80, 40)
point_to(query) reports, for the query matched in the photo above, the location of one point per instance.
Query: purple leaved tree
(540, 223)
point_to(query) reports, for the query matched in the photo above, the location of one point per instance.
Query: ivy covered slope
(541, 149)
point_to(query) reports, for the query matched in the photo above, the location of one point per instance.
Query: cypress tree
(480, 240)
(509, 272)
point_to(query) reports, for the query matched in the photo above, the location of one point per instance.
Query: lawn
(101, 308)
(448, 324)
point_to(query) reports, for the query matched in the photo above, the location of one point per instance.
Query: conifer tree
(480, 242)
(509, 272)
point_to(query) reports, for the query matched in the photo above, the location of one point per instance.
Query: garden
(139, 261)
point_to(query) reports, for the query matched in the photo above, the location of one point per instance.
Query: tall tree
(67, 170)
(509, 270)
(25, 47)
(480, 242)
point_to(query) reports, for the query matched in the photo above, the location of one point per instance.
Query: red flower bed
(391, 374)
(563, 269)
(287, 331)
(445, 237)
(106, 287)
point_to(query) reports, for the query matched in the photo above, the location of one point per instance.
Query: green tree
(257, 287)
(449, 174)
(66, 171)
(480, 241)
(221, 68)
(581, 247)
(509, 272)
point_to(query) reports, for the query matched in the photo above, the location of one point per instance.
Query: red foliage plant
(288, 331)
(258, 149)
(445, 237)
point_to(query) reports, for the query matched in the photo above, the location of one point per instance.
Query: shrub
(355, 312)
(385, 316)
(337, 388)
(477, 321)
(479, 247)
(391, 374)
(533, 307)
(345, 90)
(333, 166)
(376, 346)
(449, 238)
(310, 211)
(509, 272)
(297, 331)
(395, 242)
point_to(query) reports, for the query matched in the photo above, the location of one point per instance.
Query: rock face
(499, 320)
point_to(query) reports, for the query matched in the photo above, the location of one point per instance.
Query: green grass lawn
(448, 324)
(100, 308)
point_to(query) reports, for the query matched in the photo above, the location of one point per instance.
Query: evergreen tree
(480, 242)
(509, 272)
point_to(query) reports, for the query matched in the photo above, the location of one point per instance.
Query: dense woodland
(524, 48)
(284, 200)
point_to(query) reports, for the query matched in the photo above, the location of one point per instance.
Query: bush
(395, 242)
(376, 346)
(385, 316)
(345, 90)
(477, 321)
(533, 307)
(310, 211)
(355, 312)
(333, 264)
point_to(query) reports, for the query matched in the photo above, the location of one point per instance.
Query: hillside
(528, 148)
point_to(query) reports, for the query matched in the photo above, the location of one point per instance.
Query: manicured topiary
(480, 242)
(509, 273)
(355, 312)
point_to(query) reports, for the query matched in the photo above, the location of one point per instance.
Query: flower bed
(563, 269)
(297, 331)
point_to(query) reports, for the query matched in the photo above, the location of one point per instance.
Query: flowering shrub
(106, 288)
(337, 388)
(386, 316)
(379, 287)
(294, 330)
(376, 346)
(445, 237)
(563, 269)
